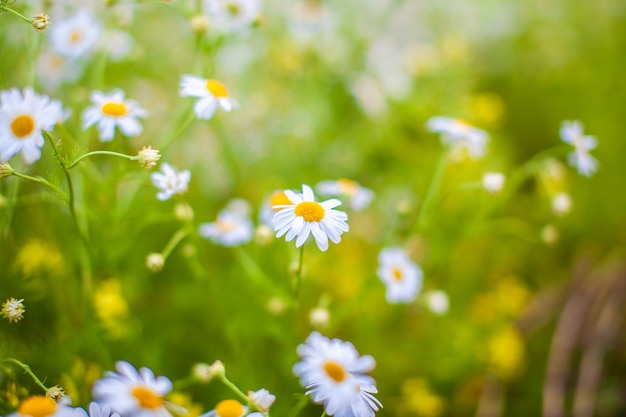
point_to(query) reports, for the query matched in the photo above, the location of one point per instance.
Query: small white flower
(262, 398)
(493, 182)
(360, 197)
(402, 276)
(334, 374)
(211, 93)
(42, 406)
(76, 35)
(111, 110)
(101, 410)
(437, 301)
(305, 216)
(572, 133)
(54, 69)
(230, 229)
(457, 133)
(319, 317)
(22, 118)
(118, 44)
(170, 182)
(13, 309)
(132, 392)
(232, 15)
(561, 204)
(227, 408)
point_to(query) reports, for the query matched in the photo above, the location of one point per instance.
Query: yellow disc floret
(229, 408)
(216, 88)
(114, 109)
(335, 371)
(22, 126)
(37, 406)
(147, 398)
(279, 198)
(397, 274)
(310, 210)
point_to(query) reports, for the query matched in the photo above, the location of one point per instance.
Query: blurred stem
(298, 278)
(181, 126)
(433, 190)
(237, 391)
(174, 241)
(299, 406)
(88, 154)
(27, 369)
(43, 181)
(323, 414)
(252, 268)
(16, 13)
(66, 171)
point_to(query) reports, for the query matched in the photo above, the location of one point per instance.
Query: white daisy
(402, 276)
(232, 15)
(75, 36)
(305, 216)
(170, 182)
(132, 392)
(360, 197)
(101, 410)
(458, 134)
(572, 133)
(334, 374)
(230, 229)
(111, 110)
(262, 398)
(42, 406)
(227, 408)
(211, 93)
(53, 69)
(22, 118)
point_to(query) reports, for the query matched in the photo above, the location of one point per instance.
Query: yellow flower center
(147, 398)
(76, 36)
(310, 210)
(279, 198)
(37, 406)
(233, 9)
(335, 371)
(229, 408)
(216, 88)
(22, 126)
(397, 274)
(226, 226)
(347, 186)
(114, 109)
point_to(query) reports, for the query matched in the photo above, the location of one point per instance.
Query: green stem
(88, 154)
(298, 279)
(182, 126)
(16, 13)
(303, 401)
(174, 241)
(66, 171)
(433, 190)
(237, 391)
(43, 181)
(324, 414)
(27, 369)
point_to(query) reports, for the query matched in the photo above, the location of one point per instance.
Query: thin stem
(298, 278)
(88, 154)
(324, 414)
(27, 369)
(236, 390)
(433, 190)
(174, 241)
(182, 126)
(66, 171)
(43, 181)
(299, 406)
(16, 13)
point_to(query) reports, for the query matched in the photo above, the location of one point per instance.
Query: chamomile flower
(211, 94)
(22, 118)
(42, 406)
(112, 110)
(170, 182)
(305, 216)
(230, 229)
(132, 392)
(334, 374)
(232, 15)
(457, 133)
(13, 309)
(101, 410)
(75, 36)
(227, 408)
(359, 196)
(572, 133)
(402, 276)
(262, 398)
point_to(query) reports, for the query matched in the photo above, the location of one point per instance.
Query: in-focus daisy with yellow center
(305, 216)
(458, 134)
(42, 406)
(113, 110)
(133, 393)
(227, 408)
(335, 375)
(401, 276)
(22, 118)
(211, 94)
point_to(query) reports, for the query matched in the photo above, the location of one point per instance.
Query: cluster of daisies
(331, 370)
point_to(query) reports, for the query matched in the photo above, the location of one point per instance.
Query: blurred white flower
(319, 317)
(42, 406)
(132, 392)
(227, 408)
(232, 15)
(360, 197)
(402, 277)
(53, 69)
(437, 301)
(572, 133)
(561, 204)
(170, 182)
(304, 216)
(493, 182)
(262, 398)
(117, 44)
(334, 374)
(75, 36)
(101, 410)
(211, 93)
(457, 133)
(111, 110)
(22, 118)
(230, 229)
(369, 95)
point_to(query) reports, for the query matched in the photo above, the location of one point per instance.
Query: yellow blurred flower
(111, 307)
(419, 400)
(505, 352)
(488, 108)
(512, 295)
(186, 402)
(37, 257)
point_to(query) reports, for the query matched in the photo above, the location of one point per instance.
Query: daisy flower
(360, 197)
(305, 216)
(262, 398)
(227, 408)
(101, 410)
(13, 309)
(402, 276)
(232, 15)
(267, 211)
(22, 118)
(132, 392)
(230, 229)
(457, 133)
(75, 36)
(211, 94)
(42, 406)
(111, 110)
(170, 182)
(572, 133)
(334, 374)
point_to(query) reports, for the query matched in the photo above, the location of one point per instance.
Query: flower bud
(40, 22)
(199, 24)
(5, 169)
(155, 262)
(147, 157)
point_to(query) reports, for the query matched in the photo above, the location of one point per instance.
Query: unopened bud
(183, 212)
(55, 392)
(5, 169)
(155, 262)
(148, 157)
(200, 24)
(40, 21)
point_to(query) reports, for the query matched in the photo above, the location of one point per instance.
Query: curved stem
(88, 154)
(433, 189)
(16, 13)
(174, 241)
(27, 369)
(43, 181)
(70, 184)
